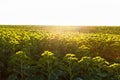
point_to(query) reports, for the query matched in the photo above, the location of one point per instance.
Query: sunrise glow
(59, 12)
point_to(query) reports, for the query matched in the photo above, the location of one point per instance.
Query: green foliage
(70, 64)
(18, 64)
(93, 68)
(48, 63)
(114, 71)
(23, 54)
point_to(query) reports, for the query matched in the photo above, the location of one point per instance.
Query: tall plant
(17, 65)
(70, 65)
(48, 63)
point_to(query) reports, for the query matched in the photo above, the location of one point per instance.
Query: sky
(60, 12)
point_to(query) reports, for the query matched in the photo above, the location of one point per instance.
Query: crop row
(50, 67)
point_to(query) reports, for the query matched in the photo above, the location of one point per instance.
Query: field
(59, 53)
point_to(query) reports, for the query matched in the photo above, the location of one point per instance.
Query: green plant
(70, 64)
(17, 65)
(114, 71)
(93, 68)
(48, 63)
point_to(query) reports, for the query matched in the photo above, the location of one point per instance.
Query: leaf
(12, 77)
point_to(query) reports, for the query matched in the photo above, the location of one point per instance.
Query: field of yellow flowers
(59, 53)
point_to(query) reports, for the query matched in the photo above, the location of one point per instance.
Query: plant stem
(48, 70)
(21, 70)
(70, 71)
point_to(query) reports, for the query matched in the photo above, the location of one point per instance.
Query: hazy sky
(60, 12)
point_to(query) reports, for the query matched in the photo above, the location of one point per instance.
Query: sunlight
(54, 12)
